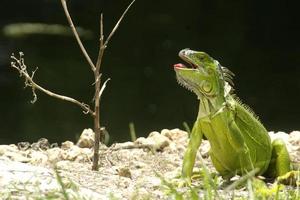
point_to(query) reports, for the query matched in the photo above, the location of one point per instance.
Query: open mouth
(190, 64)
(182, 55)
(180, 65)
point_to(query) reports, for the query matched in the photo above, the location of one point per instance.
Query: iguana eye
(201, 58)
(206, 86)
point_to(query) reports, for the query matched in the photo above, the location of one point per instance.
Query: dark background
(257, 40)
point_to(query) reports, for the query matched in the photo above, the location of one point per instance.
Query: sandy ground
(127, 170)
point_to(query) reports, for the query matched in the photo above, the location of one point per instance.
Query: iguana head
(205, 76)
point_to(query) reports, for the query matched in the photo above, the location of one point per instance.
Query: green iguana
(239, 142)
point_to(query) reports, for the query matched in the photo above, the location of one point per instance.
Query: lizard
(239, 142)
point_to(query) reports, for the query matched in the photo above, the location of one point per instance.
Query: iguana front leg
(236, 139)
(280, 165)
(191, 152)
(280, 160)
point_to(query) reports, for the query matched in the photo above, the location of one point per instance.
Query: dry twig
(19, 64)
(96, 69)
(84, 52)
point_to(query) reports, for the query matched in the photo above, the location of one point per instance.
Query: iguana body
(239, 142)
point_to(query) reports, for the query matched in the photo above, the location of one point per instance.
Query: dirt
(127, 170)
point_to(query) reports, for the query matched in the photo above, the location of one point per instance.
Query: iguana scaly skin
(239, 142)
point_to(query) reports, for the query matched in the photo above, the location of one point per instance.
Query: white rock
(54, 154)
(12, 152)
(155, 140)
(67, 145)
(33, 179)
(279, 135)
(166, 132)
(71, 153)
(295, 138)
(38, 158)
(176, 135)
(172, 148)
(85, 155)
(140, 140)
(161, 141)
(86, 139)
(124, 145)
(21, 174)
(283, 136)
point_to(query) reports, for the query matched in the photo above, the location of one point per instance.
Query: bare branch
(34, 96)
(65, 7)
(102, 47)
(96, 69)
(117, 24)
(101, 30)
(19, 64)
(97, 79)
(98, 89)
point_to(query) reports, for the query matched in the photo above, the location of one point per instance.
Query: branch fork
(19, 64)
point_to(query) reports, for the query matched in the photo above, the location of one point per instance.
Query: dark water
(257, 40)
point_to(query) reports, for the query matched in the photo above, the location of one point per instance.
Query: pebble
(125, 166)
(38, 158)
(155, 141)
(54, 154)
(86, 139)
(66, 145)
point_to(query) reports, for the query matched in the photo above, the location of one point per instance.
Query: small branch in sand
(18, 64)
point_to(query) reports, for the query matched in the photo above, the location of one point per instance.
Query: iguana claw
(290, 178)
